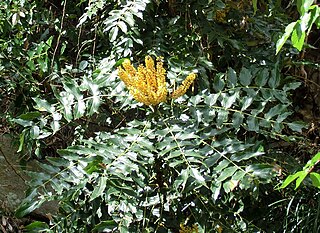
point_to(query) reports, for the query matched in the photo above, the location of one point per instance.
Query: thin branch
(11, 165)
(60, 33)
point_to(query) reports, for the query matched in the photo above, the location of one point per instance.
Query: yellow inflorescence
(181, 90)
(185, 229)
(147, 84)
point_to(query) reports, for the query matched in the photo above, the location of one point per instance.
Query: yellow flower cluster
(192, 229)
(181, 90)
(147, 84)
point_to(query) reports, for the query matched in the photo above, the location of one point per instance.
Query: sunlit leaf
(303, 6)
(245, 156)
(35, 227)
(211, 99)
(122, 26)
(230, 185)
(246, 102)
(298, 36)
(215, 188)
(228, 101)
(113, 34)
(43, 105)
(222, 165)
(276, 110)
(285, 36)
(315, 178)
(27, 208)
(297, 126)
(196, 174)
(222, 117)
(99, 189)
(226, 173)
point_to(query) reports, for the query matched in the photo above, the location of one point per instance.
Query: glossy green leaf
(237, 119)
(215, 189)
(27, 208)
(218, 83)
(211, 99)
(129, 19)
(227, 101)
(314, 16)
(301, 176)
(315, 159)
(303, 6)
(281, 95)
(22, 122)
(283, 116)
(276, 110)
(83, 65)
(245, 77)
(285, 36)
(108, 225)
(122, 26)
(274, 80)
(229, 185)
(43, 105)
(113, 34)
(262, 77)
(232, 78)
(315, 178)
(36, 227)
(245, 156)
(246, 102)
(291, 86)
(34, 132)
(253, 124)
(297, 126)
(197, 175)
(226, 173)
(298, 36)
(100, 188)
(262, 171)
(182, 179)
(222, 165)
(238, 175)
(30, 116)
(267, 94)
(94, 166)
(213, 159)
(222, 117)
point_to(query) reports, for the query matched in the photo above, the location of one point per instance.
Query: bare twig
(60, 34)
(11, 165)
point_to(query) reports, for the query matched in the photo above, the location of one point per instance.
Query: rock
(13, 180)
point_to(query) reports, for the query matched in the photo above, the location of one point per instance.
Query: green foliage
(150, 172)
(309, 15)
(122, 167)
(301, 175)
